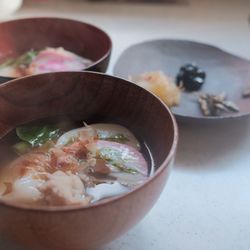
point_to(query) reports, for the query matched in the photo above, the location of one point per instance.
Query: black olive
(191, 77)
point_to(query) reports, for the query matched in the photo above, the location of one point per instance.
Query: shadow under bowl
(93, 97)
(21, 35)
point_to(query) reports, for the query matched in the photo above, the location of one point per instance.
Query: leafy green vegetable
(109, 154)
(22, 61)
(26, 58)
(37, 135)
(114, 158)
(124, 169)
(7, 63)
(116, 137)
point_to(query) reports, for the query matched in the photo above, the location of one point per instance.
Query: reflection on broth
(58, 166)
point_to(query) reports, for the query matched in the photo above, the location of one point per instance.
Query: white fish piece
(25, 190)
(63, 189)
(106, 190)
(130, 180)
(68, 136)
(83, 133)
(104, 130)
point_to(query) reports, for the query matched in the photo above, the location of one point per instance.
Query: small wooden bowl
(89, 97)
(19, 36)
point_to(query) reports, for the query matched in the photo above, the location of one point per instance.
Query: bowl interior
(90, 97)
(19, 36)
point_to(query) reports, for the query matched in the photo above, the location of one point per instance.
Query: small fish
(214, 105)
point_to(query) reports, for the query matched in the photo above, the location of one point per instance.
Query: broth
(58, 164)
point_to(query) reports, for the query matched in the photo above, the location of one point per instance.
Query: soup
(57, 166)
(43, 61)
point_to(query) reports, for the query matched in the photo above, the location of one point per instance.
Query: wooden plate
(225, 72)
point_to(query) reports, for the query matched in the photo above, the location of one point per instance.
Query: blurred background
(222, 23)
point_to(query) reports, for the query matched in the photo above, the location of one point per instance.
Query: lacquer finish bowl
(91, 97)
(22, 35)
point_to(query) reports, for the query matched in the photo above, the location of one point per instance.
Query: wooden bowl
(92, 97)
(19, 36)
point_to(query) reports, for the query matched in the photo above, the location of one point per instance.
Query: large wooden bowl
(20, 36)
(89, 97)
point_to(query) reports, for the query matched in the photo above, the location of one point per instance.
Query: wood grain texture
(92, 97)
(20, 36)
(225, 72)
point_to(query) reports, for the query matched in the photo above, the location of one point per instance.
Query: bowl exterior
(92, 97)
(78, 229)
(86, 40)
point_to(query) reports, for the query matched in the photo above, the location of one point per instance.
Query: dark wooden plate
(225, 72)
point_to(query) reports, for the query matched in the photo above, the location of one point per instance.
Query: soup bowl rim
(96, 28)
(165, 164)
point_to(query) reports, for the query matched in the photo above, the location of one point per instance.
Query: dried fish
(211, 102)
(219, 98)
(214, 105)
(231, 106)
(220, 106)
(204, 106)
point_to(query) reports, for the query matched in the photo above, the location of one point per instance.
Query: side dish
(75, 167)
(215, 105)
(43, 61)
(161, 85)
(190, 77)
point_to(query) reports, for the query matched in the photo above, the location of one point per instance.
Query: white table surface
(206, 202)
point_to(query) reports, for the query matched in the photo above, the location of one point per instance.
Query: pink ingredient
(50, 60)
(129, 156)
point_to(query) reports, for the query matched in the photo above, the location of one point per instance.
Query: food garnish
(43, 61)
(22, 61)
(190, 77)
(37, 135)
(77, 167)
(215, 105)
(116, 137)
(159, 84)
